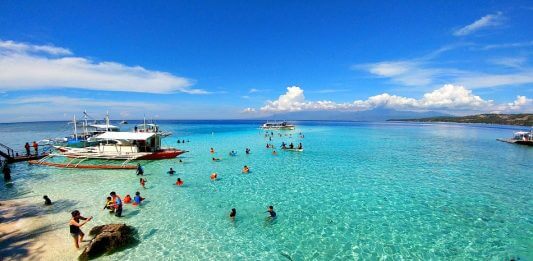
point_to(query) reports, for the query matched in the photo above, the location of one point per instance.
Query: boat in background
(278, 126)
(521, 137)
(151, 128)
(85, 138)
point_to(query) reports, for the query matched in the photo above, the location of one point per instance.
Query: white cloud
(489, 20)
(249, 110)
(410, 73)
(27, 67)
(482, 80)
(512, 62)
(507, 45)
(254, 90)
(10, 46)
(447, 98)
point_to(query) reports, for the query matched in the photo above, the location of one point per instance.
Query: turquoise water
(358, 191)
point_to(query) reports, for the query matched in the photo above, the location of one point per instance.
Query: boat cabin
(128, 142)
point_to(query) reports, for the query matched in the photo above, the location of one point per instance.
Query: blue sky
(236, 59)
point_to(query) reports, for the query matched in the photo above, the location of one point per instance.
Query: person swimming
(216, 159)
(271, 211)
(171, 171)
(47, 201)
(143, 182)
(247, 151)
(214, 176)
(245, 169)
(179, 182)
(212, 150)
(137, 199)
(300, 146)
(232, 214)
(233, 153)
(274, 152)
(291, 146)
(140, 170)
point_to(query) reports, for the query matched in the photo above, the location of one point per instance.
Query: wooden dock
(11, 156)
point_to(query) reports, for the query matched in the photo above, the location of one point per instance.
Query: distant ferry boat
(278, 126)
(521, 137)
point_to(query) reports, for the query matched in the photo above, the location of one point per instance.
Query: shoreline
(31, 231)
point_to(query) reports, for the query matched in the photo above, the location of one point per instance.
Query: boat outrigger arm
(75, 163)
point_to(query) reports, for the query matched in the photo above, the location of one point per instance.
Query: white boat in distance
(278, 126)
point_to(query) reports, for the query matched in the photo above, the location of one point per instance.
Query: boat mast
(75, 128)
(85, 123)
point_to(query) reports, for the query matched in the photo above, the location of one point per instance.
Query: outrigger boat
(278, 126)
(521, 137)
(125, 146)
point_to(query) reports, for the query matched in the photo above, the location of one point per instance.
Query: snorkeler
(171, 171)
(179, 182)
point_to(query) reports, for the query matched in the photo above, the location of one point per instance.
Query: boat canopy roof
(125, 135)
(103, 126)
(522, 132)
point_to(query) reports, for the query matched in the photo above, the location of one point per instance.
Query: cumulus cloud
(486, 21)
(447, 98)
(26, 67)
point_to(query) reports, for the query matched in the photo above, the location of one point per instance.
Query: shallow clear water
(358, 191)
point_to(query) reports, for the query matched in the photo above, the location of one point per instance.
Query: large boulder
(107, 239)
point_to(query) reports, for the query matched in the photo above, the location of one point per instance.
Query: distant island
(525, 119)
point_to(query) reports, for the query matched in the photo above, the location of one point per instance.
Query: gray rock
(107, 239)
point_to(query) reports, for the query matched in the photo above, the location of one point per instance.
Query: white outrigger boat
(278, 126)
(521, 137)
(125, 146)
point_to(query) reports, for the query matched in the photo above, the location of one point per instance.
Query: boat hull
(163, 154)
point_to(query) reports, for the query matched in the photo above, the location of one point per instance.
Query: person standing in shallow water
(140, 170)
(36, 148)
(232, 214)
(75, 225)
(117, 203)
(271, 211)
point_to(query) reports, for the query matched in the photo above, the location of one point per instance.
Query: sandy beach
(31, 231)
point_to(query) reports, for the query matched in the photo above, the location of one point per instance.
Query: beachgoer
(36, 147)
(27, 147)
(135, 129)
(214, 176)
(300, 146)
(181, 161)
(271, 211)
(232, 214)
(291, 146)
(171, 171)
(212, 150)
(142, 181)
(47, 200)
(109, 204)
(75, 225)
(140, 170)
(183, 141)
(179, 141)
(274, 152)
(216, 159)
(127, 199)
(137, 199)
(117, 204)
(245, 169)
(247, 151)
(179, 182)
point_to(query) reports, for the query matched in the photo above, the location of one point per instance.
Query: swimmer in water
(47, 200)
(171, 171)
(216, 159)
(127, 199)
(214, 176)
(245, 169)
(179, 182)
(142, 181)
(137, 199)
(271, 211)
(274, 152)
(212, 150)
(232, 214)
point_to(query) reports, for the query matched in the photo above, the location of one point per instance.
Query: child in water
(137, 199)
(109, 204)
(127, 199)
(179, 182)
(142, 181)
(214, 176)
(245, 170)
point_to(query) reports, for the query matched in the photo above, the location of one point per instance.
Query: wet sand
(31, 231)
